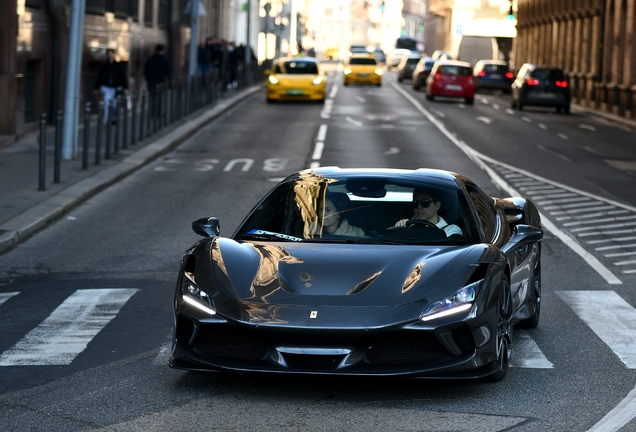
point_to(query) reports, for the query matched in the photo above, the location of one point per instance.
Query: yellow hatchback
(362, 69)
(296, 78)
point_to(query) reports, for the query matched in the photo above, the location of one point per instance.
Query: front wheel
(504, 332)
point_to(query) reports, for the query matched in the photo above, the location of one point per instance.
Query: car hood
(295, 80)
(315, 274)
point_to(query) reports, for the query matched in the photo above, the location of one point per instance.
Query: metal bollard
(98, 141)
(109, 127)
(124, 122)
(142, 113)
(133, 120)
(58, 147)
(116, 123)
(87, 131)
(42, 159)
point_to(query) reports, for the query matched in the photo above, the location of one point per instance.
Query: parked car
(407, 66)
(421, 72)
(394, 58)
(362, 69)
(287, 294)
(442, 55)
(296, 78)
(543, 86)
(493, 75)
(379, 54)
(451, 78)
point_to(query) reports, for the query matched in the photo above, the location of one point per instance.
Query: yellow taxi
(296, 78)
(362, 69)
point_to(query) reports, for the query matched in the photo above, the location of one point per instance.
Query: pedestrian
(156, 71)
(232, 65)
(111, 82)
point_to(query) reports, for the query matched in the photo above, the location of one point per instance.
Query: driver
(425, 206)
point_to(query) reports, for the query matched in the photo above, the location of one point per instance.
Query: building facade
(34, 41)
(592, 40)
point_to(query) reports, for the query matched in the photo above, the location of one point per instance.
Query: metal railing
(138, 115)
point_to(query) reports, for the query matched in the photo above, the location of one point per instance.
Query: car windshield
(362, 61)
(295, 67)
(413, 61)
(360, 210)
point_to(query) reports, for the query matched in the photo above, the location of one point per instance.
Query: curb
(26, 224)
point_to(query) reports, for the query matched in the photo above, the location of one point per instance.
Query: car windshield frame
(295, 211)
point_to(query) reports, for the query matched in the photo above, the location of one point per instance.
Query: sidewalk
(24, 210)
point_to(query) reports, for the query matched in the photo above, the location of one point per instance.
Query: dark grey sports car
(362, 272)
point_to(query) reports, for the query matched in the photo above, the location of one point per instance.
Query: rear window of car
(412, 61)
(547, 74)
(362, 61)
(297, 68)
(496, 68)
(454, 70)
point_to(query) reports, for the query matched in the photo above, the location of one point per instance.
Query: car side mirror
(207, 227)
(523, 235)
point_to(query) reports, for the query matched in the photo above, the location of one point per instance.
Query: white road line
(622, 414)
(322, 132)
(527, 353)
(318, 150)
(614, 247)
(6, 296)
(610, 317)
(621, 254)
(355, 122)
(67, 331)
(481, 159)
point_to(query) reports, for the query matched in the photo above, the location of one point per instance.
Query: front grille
(403, 349)
(230, 343)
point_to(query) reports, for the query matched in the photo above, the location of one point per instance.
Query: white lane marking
(563, 136)
(392, 150)
(510, 111)
(542, 126)
(565, 158)
(67, 331)
(318, 150)
(486, 120)
(527, 353)
(325, 113)
(610, 317)
(322, 132)
(526, 119)
(162, 357)
(480, 160)
(6, 296)
(360, 99)
(588, 127)
(355, 122)
(622, 414)
(495, 106)
(314, 164)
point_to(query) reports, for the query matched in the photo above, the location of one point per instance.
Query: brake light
(561, 83)
(481, 73)
(509, 75)
(532, 81)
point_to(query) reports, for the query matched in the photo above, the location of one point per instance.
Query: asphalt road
(126, 242)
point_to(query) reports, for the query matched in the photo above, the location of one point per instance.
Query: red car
(450, 78)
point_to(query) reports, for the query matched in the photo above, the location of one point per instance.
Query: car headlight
(272, 79)
(317, 80)
(195, 296)
(378, 71)
(458, 302)
(347, 71)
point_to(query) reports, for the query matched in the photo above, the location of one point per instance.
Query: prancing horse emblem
(313, 314)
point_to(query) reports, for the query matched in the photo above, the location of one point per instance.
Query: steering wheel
(425, 223)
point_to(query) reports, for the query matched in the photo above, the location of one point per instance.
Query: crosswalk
(67, 331)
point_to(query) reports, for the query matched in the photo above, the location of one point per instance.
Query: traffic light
(511, 13)
(420, 26)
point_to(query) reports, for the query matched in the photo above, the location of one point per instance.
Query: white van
(474, 48)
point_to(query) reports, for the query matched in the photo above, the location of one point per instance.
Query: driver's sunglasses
(424, 203)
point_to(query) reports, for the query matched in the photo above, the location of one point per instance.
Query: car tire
(566, 109)
(346, 84)
(504, 332)
(400, 80)
(269, 101)
(416, 86)
(533, 321)
(513, 104)
(429, 97)
(470, 101)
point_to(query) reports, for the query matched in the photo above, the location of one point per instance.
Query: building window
(148, 6)
(164, 13)
(96, 6)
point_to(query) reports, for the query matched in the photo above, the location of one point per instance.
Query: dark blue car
(493, 75)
